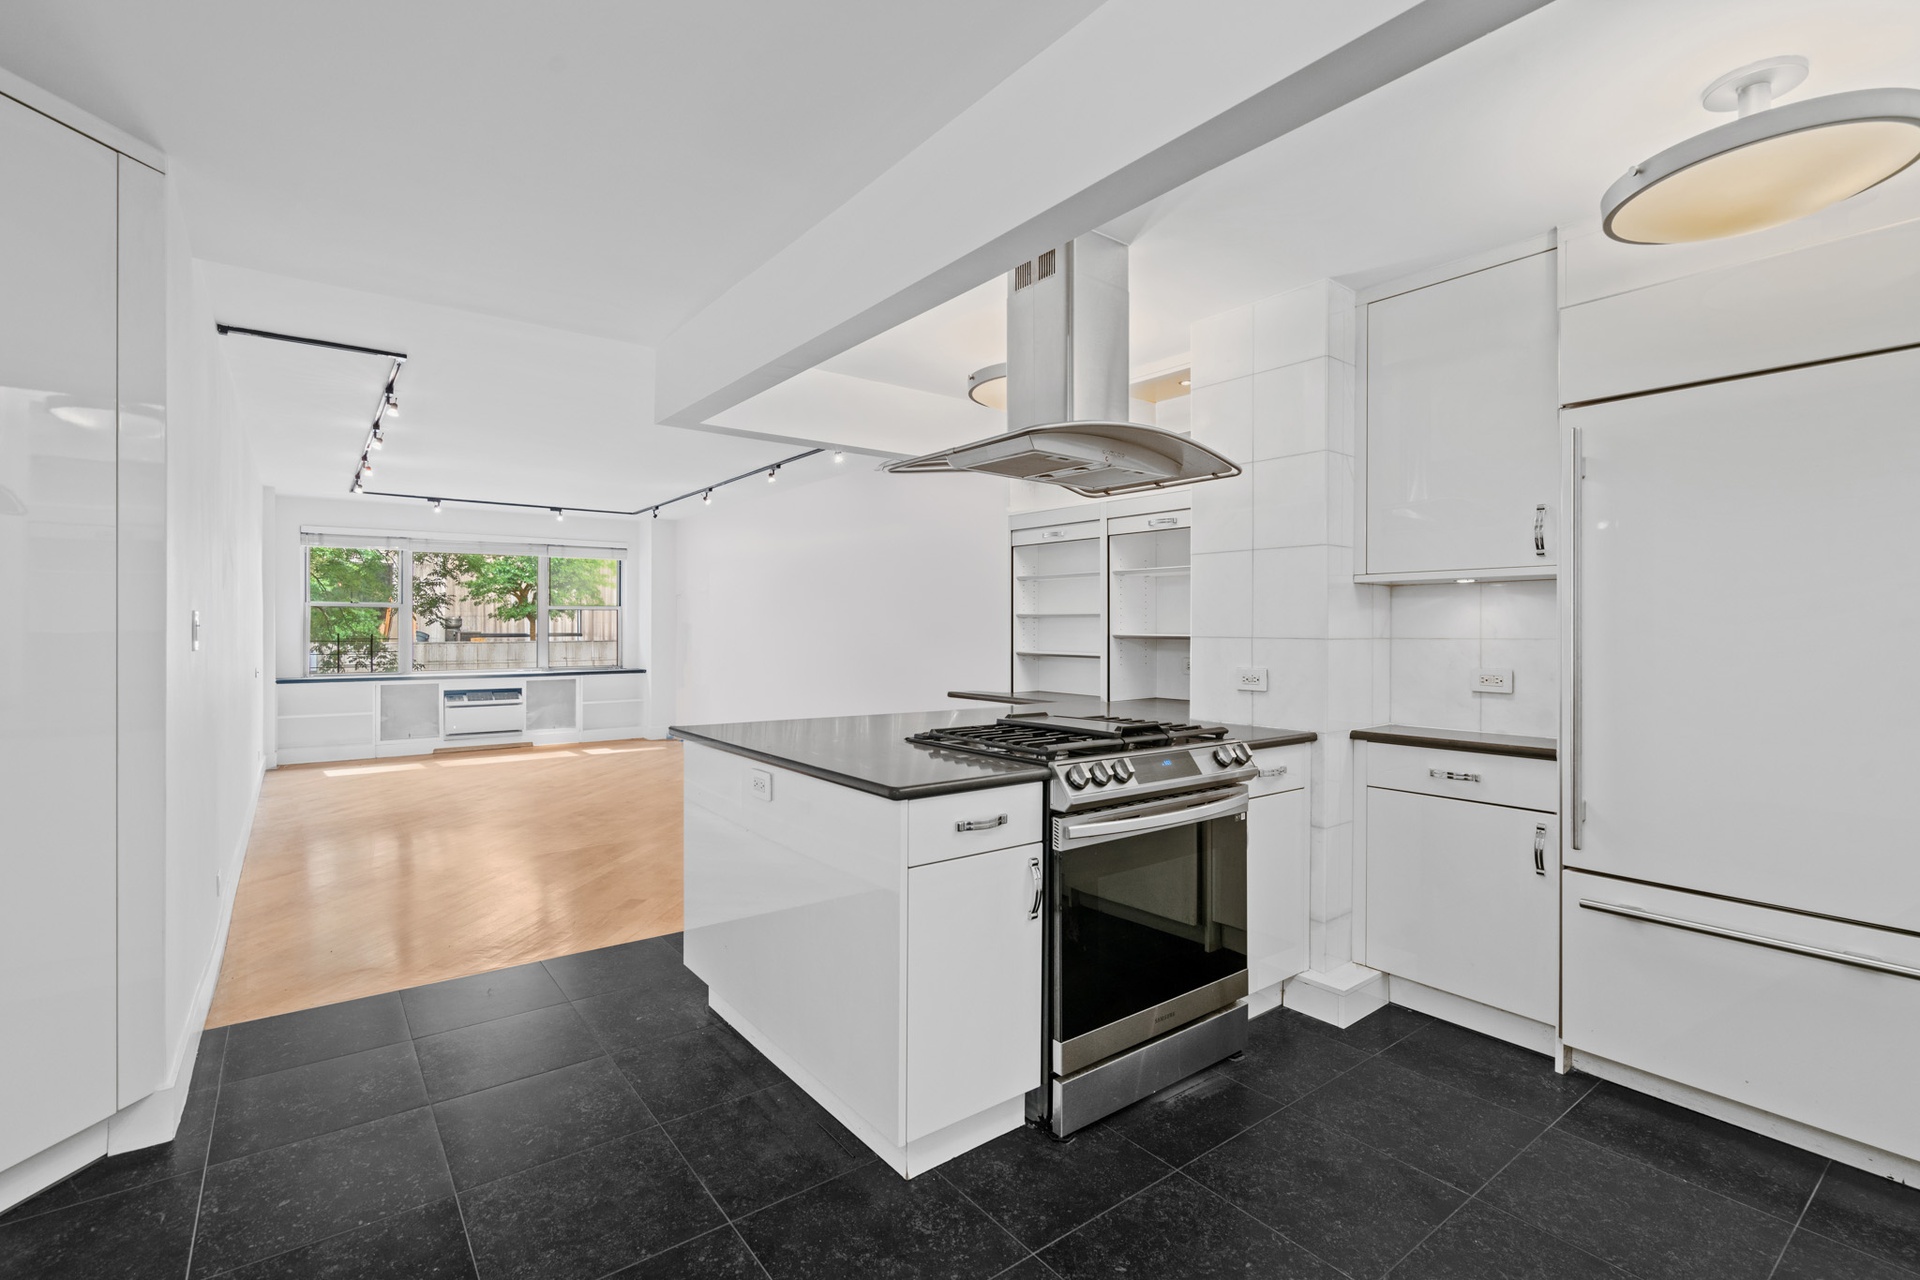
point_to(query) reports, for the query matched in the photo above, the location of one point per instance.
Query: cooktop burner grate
(1040, 739)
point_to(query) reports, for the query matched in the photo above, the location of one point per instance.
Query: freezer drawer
(1810, 1019)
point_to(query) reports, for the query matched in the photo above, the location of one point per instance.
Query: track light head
(378, 439)
(392, 407)
(656, 513)
(434, 505)
(558, 514)
(707, 497)
(838, 456)
(772, 474)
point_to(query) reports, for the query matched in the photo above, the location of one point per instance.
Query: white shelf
(1152, 635)
(1053, 577)
(1051, 653)
(1156, 571)
(1090, 614)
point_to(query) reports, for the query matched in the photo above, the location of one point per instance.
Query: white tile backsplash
(1296, 693)
(1290, 593)
(1222, 418)
(1290, 501)
(1291, 326)
(1222, 347)
(1223, 515)
(1290, 410)
(1222, 601)
(1445, 632)
(1430, 682)
(1213, 694)
(1436, 612)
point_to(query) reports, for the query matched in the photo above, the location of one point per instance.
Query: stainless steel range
(1147, 880)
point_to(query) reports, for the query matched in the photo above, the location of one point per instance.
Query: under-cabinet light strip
(704, 493)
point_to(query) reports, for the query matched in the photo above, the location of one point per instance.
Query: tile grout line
(439, 1139)
(1788, 1242)
(206, 1166)
(1263, 1225)
(1004, 1230)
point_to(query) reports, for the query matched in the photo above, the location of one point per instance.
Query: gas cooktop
(1042, 739)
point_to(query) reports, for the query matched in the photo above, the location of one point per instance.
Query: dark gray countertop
(1491, 744)
(869, 753)
(872, 754)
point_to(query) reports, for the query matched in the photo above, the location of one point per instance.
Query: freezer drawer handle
(1540, 850)
(1540, 531)
(981, 824)
(1278, 771)
(1033, 869)
(1053, 533)
(1159, 522)
(1451, 776)
(1754, 939)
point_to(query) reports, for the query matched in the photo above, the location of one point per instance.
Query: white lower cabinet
(1463, 897)
(1809, 1018)
(974, 969)
(1277, 839)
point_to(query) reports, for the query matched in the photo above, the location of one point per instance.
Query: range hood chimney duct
(1067, 387)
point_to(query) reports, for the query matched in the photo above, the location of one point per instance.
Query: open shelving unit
(1150, 597)
(1059, 619)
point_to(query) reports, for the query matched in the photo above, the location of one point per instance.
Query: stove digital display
(1178, 765)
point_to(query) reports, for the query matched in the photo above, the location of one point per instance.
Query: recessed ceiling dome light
(988, 386)
(1772, 165)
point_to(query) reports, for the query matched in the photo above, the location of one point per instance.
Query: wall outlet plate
(1493, 680)
(1250, 679)
(759, 784)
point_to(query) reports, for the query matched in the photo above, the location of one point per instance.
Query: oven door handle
(1159, 819)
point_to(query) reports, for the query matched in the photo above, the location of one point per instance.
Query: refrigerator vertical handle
(1033, 869)
(1569, 578)
(1540, 531)
(1540, 849)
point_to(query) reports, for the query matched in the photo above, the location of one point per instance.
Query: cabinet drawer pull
(1160, 522)
(981, 824)
(1033, 869)
(1451, 776)
(1540, 850)
(1053, 533)
(1278, 771)
(1540, 531)
(1752, 939)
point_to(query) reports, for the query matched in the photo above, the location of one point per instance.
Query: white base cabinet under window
(1463, 895)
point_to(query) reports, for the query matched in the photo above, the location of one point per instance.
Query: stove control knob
(1122, 771)
(1223, 756)
(1076, 777)
(1242, 753)
(1099, 774)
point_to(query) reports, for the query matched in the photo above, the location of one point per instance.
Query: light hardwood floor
(368, 876)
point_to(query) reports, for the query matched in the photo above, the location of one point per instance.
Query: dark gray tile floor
(588, 1117)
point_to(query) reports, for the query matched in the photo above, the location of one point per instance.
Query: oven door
(1149, 921)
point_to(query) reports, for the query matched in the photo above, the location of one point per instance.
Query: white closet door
(57, 652)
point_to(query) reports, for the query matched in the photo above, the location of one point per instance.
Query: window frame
(405, 549)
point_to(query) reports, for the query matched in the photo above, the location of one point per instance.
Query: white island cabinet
(885, 954)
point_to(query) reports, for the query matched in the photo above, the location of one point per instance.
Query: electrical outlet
(759, 784)
(1493, 680)
(1251, 679)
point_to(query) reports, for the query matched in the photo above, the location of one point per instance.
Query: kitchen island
(868, 912)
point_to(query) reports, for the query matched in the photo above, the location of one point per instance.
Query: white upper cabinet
(1461, 441)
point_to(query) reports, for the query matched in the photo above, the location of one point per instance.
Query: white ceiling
(593, 165)
(1511, 136)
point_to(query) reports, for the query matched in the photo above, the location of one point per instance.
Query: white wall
(1443, 633)
(286, 565)
(859, 594)
(215, 746)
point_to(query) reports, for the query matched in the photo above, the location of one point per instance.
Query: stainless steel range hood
(1067, 399)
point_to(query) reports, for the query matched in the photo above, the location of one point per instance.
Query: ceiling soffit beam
(1090, 129)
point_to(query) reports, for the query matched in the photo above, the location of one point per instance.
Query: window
(352, 606)
(465, 608)
(588, 633)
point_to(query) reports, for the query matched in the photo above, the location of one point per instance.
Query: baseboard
(44, 1168)
(1341, 997)
(1471, 1014)
(1834, 1147)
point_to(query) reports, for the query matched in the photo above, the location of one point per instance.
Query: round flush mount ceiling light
(1772, 165)
(988, 386)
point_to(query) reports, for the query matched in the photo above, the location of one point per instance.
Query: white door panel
(1457, 899)
(1277, 838)
(57, 687)
(1750, 607)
